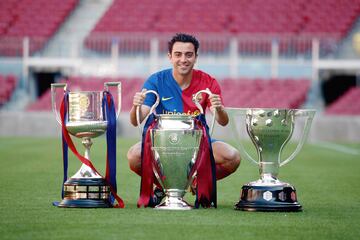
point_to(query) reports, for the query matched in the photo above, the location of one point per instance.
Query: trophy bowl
(175, 145)
(269, 129)
(85, 118)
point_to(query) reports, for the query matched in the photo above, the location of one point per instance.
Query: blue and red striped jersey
(173, 100)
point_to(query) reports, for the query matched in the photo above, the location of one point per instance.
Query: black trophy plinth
(278, 198)
(86, 193)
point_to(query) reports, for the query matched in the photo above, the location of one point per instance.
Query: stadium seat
(269, 93)
(8, 85)
(347, 104)
(275, 18)
(36, 19)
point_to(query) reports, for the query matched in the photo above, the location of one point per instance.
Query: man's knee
(235, 158)
(131, 154)
(134, 158)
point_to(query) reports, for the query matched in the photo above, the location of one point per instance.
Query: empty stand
(8, 84)
(275, 18)
(36, 19)
(347, 104)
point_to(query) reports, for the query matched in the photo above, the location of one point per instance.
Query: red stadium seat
(347, 104)
(8, 85)
(271, 17)
(36, 19)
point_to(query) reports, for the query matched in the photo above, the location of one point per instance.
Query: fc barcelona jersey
(174, 100)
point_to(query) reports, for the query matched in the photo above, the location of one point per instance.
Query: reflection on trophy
(269, 130)
(85, 118)
(175, 142)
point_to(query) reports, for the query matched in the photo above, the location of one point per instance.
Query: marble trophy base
(268, 198)
(86, 193)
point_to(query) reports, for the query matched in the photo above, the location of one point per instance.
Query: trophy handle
(118, 85)
(195, 100)
(301, 113)
(151, 109)
(232, 112)
(54, 86)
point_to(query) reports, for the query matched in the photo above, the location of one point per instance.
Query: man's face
(183, 57)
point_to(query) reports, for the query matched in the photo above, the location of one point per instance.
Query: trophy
(175, 141)
(269, 130)
(85, 118)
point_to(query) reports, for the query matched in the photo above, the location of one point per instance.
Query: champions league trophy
(175, 142)
(85, 118)
(269, 130)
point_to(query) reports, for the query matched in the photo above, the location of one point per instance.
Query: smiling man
(176, 87)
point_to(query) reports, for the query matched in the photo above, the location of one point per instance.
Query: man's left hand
(216, 103)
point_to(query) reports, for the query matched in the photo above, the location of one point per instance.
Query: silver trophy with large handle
(86, 118)
(175, 141)
(269, 130)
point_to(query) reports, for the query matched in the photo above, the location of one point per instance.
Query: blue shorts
(214, 140)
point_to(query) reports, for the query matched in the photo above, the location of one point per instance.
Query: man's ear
(169, 55)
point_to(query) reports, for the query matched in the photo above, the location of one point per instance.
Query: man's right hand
(138, 101)
(139, 98)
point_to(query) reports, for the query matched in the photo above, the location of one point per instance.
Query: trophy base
(173, 203)
(86, 193)
(279, 198)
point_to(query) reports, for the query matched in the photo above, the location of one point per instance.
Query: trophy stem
(269, 171)
(86, 141)
(85, 171)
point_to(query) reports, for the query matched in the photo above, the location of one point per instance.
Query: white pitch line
(337, 147)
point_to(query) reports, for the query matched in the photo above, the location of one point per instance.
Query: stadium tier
(36, 19)
(275, 18)
(281, 93)
(347, 104)
(8, 85)
(124, 19)
(239, 16)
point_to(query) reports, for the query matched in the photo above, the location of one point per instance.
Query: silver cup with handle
(270, 130)
(86, 119)
(175, 141)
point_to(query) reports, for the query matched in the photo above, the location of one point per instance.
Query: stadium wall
(44, 124)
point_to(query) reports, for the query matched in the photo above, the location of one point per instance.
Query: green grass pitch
(327, 184)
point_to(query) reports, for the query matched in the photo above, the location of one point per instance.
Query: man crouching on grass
(177, 86)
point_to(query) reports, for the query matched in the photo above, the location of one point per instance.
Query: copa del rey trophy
(87, 115)
(270, 130)
(175, 141)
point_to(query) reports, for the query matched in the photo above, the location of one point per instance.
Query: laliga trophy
(85, 118)
(175, 141)
(269, 130)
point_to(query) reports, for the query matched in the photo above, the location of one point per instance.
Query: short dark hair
(183, 37)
